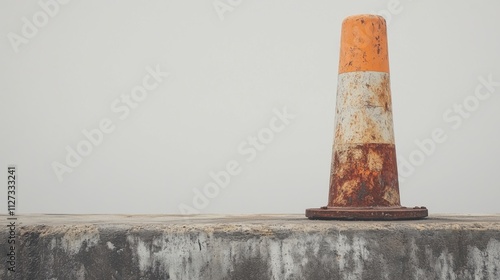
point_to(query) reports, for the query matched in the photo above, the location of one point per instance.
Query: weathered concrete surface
(252, 247)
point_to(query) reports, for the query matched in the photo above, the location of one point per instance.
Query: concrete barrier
(250, 247)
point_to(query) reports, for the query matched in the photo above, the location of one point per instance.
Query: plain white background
(229, 69)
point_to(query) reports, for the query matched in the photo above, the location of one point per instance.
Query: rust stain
(382, 94)
(364, 175)
(375, 161)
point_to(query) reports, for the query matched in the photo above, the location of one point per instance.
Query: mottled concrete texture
(252, 247)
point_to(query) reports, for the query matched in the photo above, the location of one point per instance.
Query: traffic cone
(364, 177)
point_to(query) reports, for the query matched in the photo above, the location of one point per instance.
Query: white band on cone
(364, 109)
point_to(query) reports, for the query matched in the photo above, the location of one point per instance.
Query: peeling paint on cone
(364, 179)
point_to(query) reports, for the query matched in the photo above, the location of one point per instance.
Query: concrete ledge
(251, 247)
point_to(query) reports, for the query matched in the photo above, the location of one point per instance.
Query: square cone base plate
(366, 213)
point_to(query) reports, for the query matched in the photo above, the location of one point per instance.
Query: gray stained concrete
(251, 247)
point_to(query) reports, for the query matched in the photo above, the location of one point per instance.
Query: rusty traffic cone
(364, 177)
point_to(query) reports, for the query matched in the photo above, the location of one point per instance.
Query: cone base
(366, 213)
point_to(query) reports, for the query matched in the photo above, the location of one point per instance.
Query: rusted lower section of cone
(364, 175)
(364, 178)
